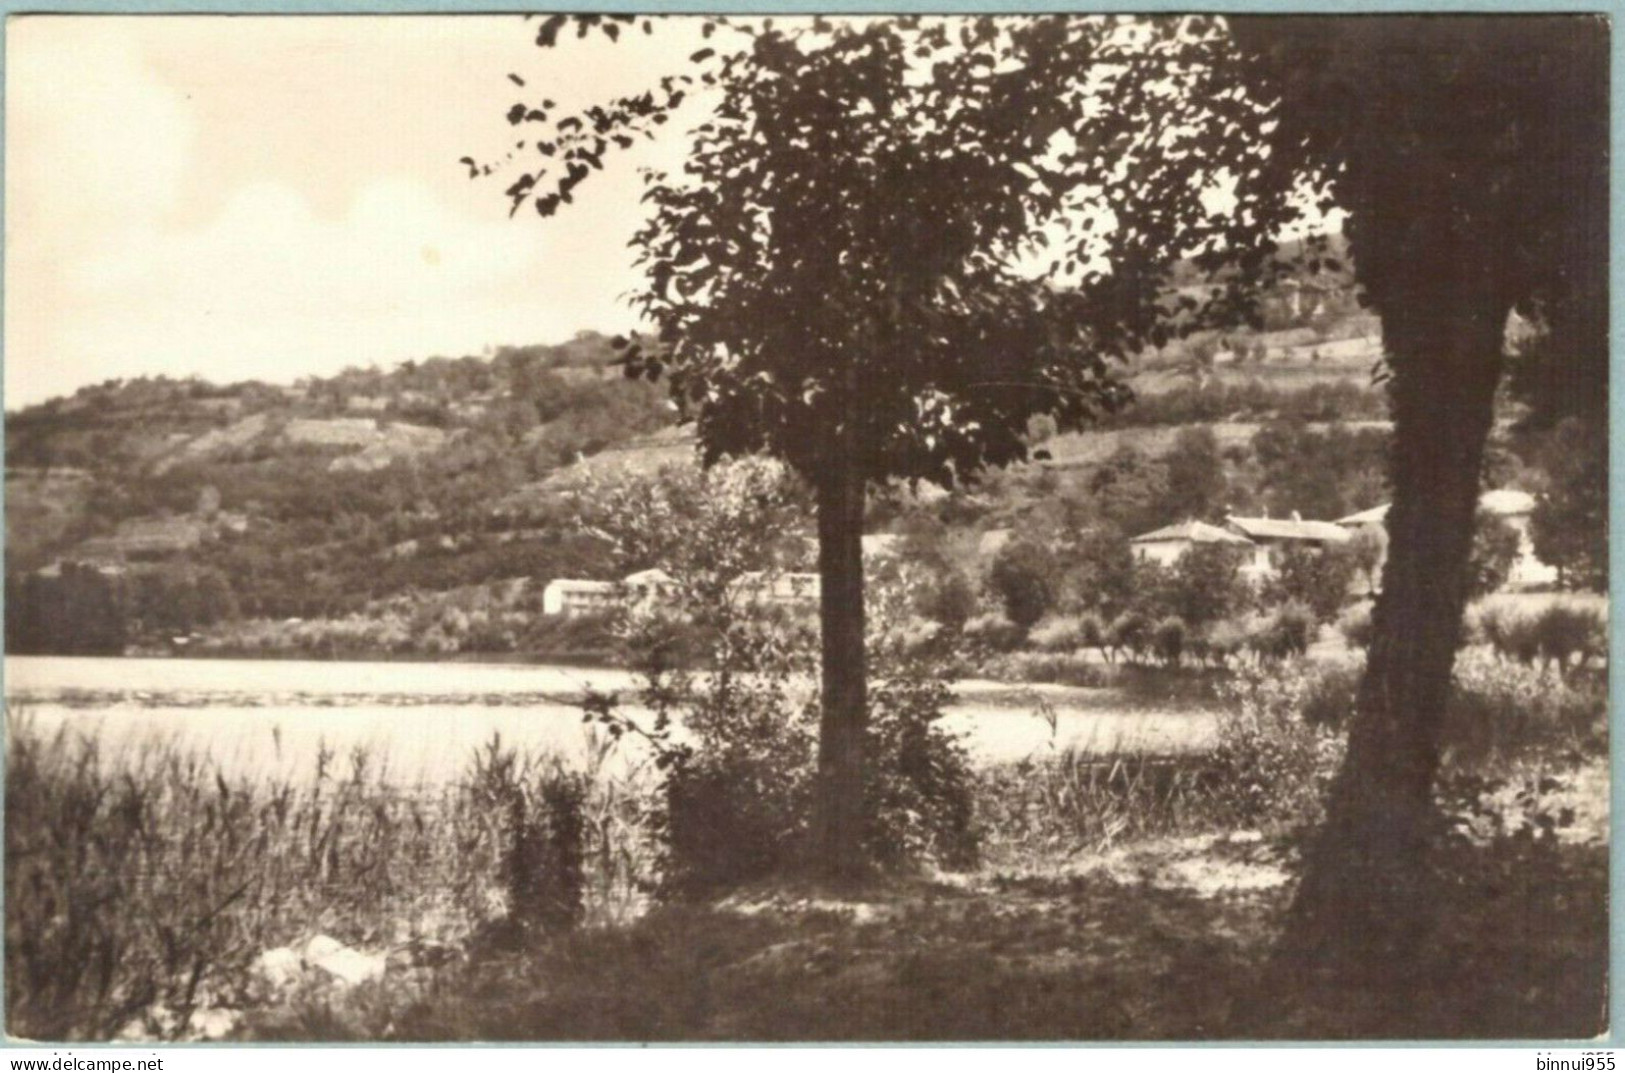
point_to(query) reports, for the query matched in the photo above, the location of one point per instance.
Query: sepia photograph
(654, 528)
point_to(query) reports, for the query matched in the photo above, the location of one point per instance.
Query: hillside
(346, 495)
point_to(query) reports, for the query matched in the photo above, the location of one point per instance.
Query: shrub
(948, 597)
(1556, 635)
(1318, 580)
(1225, 640)
(1510, 634)
(1130, 632)
(738, 786)
(151, 881)
(1355, 626)
(1329, 696)
(1270, 766)
(543, 805)
(1494, 550)
(1168, 639)
(1026, 578)
(1284, 634)
(992, 632)
(1563, 631)
(1091, 630)
(1205, 585)
(1063, 668)
(920, 789)
(1500, 708)
(1059, 633)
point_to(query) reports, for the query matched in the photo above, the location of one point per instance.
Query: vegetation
(142, 889)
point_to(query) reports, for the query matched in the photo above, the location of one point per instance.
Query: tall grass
(152, 880)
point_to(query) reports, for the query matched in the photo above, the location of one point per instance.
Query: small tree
(1495, 549)
(1025, 577)
(1205, 585)
(1318, 579)
(1569, 526)
(831, 282)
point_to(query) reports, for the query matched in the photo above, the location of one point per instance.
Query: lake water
(426, 719)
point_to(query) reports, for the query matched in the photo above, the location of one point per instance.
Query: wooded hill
(327, 497)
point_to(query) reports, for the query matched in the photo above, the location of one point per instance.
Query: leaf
(702, 54)
(515, 79)
(548, 34)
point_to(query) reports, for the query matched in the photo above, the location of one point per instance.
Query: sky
(242, 197)
(269, 198)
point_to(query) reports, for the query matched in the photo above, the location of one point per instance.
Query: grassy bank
(151, 894)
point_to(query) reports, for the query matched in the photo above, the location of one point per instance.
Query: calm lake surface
(426, 719)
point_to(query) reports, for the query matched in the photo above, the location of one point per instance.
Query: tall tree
(833, 281)
(1471, 156)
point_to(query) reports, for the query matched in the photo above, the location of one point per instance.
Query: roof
(1290, 529)
(1373, 516)
(1501, 501)
(651, 577)
(565, 584)
(1193, 531)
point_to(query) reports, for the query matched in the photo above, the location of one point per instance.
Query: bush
(1330, 695)
(992, 632)
(920, 788)
(1555, 636)
(1500, 708)
(1130, 632)
(1026, 578)
(1270, 766)
(1564, 631)
(1317, 580)
(1205, 585)
(1046, 807)
(1284, 634)
(1355, 626)
(1510, 634)
(151, 881)
(738, 786)
(949, 598)
(1059, 633)
(1168, 639)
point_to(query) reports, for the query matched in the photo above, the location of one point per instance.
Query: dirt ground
(1164, 940)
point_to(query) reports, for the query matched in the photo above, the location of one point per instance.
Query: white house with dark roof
(1510, 505)
(1164, 546)
(572, 597)
(1268, 534)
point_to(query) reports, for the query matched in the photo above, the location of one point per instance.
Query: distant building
(572, 598)
(1269, 534)
(1164, 546)
(784, 590)
(1510, 505)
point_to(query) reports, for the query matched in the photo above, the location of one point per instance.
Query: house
(784, 590)
(1508, 504)
(1164, 546)
(572, 598)
(1268, 535)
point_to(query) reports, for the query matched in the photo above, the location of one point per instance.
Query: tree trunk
(838, 819)
(1360, 909)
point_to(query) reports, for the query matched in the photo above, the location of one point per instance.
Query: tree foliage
(1569, 526)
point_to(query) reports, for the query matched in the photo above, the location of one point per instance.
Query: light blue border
(1614, 8)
